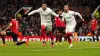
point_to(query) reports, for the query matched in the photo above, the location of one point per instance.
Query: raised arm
(32, 12)
(8, 27)
(54, 14)
(76, 13)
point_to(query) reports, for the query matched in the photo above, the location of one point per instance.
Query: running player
(70, 22)
(94, 28)
(46, 23)
(60, 27)
(14, 25)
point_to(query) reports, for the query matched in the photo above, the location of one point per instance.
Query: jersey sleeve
(34, 11)
(53, 13)
(63, 16)
(76, 13)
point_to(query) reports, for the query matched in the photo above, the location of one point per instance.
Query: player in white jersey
(46, 23)
(68, 16)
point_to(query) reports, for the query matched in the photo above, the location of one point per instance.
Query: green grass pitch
(35, 49)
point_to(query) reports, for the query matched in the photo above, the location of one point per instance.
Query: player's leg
(57, 34)
(3, 37)
(49, 30)
(93, 34)
(60, 40)
(57, 38)
(63, 33)
(52, 38)
(69, 33)
(3, 40)
(97, 36)
(43, 34)
(14, 37)
(60, 36)
(3, 33)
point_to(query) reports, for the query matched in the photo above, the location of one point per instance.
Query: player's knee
(3, 33)
(43, 28)
(69, 34)
(58, 34)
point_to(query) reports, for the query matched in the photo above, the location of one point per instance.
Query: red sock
(51, 35)
(43, 33)
(59, 37)
(69, 33)
(69, 39)
(68, 36)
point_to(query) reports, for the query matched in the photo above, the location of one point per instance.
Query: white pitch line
(64, 49)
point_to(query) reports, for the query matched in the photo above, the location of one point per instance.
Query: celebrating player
(46, 23)
(94, 28)
(14, 25)
(60, 27)
(70, 22)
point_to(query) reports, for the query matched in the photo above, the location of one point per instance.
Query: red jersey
(94, 24)
(59, 22)
(63, 24)
(15, 26)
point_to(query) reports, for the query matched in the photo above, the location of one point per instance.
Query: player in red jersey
(94, 28)
(14, 25)
(60, 27)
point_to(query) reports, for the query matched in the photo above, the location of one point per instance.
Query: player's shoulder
(93, 20)
(49, 9)
(63, 13)
(40, 8)
(12, 21)
(71, 11)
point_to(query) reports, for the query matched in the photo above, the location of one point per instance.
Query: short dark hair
(66, 4)
(44, 3)
(13, 16)
(59, 9)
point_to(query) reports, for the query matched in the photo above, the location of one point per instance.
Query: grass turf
(35, 49)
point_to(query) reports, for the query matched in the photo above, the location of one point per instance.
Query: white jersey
(44, 14)
(69, 17)
(70, 20)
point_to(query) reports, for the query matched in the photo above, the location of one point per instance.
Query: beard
(65, 10)
(44, 9)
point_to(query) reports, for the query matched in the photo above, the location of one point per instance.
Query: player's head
(66, 8)
(13, 16)
(44, 6)
(59, 11)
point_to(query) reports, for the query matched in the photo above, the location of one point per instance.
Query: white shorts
(70, 28)
(48, 26)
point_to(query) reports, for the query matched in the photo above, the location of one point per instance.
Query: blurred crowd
(31, 25)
